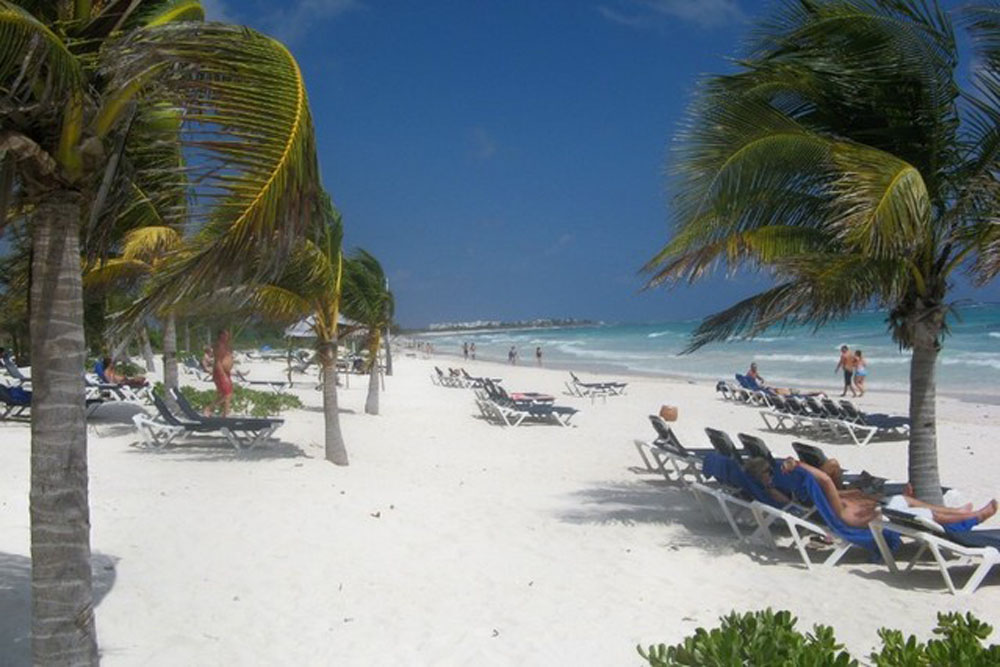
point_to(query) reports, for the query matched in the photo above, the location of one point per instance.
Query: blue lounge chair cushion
(801, 485)
(729, 471)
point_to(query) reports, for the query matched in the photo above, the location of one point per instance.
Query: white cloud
(216, 10)
(297, 18)
(483, 145)
(644, 13)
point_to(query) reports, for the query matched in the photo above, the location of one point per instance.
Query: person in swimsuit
(847, 364)
(105, 371)
(538, 355)
(860, 372)
(222, 368)
(856, 508)
(206, 359)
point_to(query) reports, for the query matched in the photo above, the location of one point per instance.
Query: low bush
(765, 638)
(245, 401)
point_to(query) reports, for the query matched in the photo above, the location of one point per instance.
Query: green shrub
(754, 638)
(766, 638)
(961, 643)
(245, 401)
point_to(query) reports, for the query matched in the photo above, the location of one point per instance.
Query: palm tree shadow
(15, 602)
(216, 449)
(651, 501)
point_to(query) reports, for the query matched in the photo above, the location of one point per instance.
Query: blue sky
(506, 159)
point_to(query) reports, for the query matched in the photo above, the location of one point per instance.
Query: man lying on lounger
(856, 508)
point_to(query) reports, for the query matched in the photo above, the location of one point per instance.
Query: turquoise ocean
(969, 365)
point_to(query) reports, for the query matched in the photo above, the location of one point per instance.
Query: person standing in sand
(538, 355)
(847, 364)
(465, 350)
(472, 350)
(860, 372)
(222, 368)
(512, 356)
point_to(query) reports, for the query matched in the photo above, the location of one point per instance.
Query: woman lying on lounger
(856, 508)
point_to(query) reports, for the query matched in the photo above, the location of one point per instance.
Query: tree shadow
(216, 449)
(319, 409)
(926, 577)
(15, 602)
(652, 501)
(115, 412)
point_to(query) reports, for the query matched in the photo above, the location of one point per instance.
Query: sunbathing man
(221, 369)
(856, 508)
(105, 372)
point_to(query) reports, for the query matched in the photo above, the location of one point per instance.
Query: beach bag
(668, 413)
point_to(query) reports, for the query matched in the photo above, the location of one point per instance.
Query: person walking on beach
(860, 372)
(847, 364)
(465, 351)
(538, 355)
(222, 367)
(512, 356)
(472, 350)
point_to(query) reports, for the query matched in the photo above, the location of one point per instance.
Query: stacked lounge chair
(514, 409)
(826, 419)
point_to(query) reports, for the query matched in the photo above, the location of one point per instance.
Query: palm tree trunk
(923, 458)
(62, 628)
(187, 337)
(170, 356)
(336, 451)
(371, 403)
(147, 349)
(388, 352)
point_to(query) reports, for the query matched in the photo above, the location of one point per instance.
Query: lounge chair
(13, 370)
(16, 401)
(684, 463)
(443, 379)
(802, 486)
(949, 548)
(723, 444)
(243, 433)
(606, 388)
(513, 409)
(755, 447)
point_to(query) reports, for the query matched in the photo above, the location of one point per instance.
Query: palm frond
(279, 304)
(116, 272)
(247, 128)
(148, 243)
(883, 208)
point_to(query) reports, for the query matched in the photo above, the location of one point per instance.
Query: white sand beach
(451, 541)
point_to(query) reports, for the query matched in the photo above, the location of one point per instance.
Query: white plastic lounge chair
(242, 433)
(978, 548)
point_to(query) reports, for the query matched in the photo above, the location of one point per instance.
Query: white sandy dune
(450, 541)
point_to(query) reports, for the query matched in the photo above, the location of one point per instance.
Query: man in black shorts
(847, 364)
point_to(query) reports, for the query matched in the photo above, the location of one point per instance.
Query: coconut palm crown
(843, 158)
(368, 301)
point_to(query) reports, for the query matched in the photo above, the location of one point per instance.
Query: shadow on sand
(207, 448)
(652, 501)
(15, 602)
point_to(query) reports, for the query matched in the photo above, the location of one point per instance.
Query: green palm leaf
(248, 131)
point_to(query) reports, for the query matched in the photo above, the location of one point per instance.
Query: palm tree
(143, 251)
(74, 77)
(368, 301)
(843, 158)
(310, 286)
